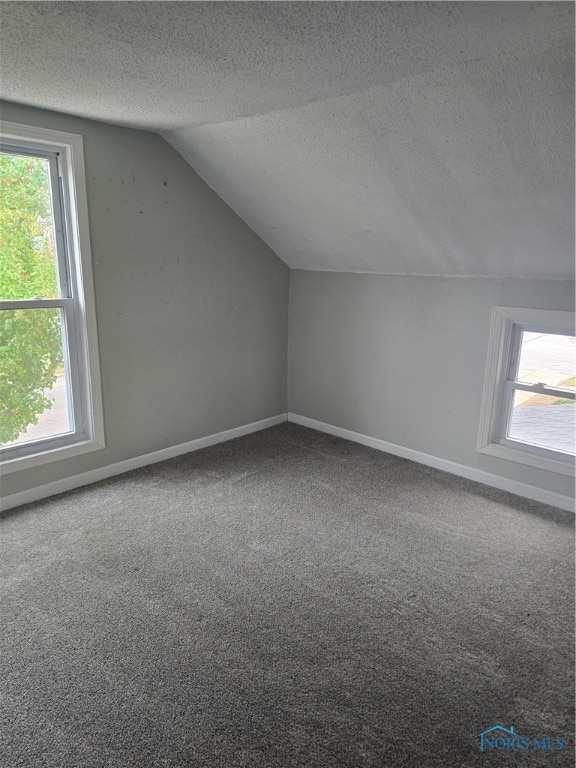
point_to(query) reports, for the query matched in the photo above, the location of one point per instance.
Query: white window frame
(507, 324)
(65, 154)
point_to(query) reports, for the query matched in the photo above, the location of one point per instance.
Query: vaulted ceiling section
(388, 137)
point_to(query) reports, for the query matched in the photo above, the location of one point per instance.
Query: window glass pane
(548, 358)
(28, 264)
(33, 389)
(543, 420)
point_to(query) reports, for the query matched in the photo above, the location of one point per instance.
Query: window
(529, 407)
(50, 402)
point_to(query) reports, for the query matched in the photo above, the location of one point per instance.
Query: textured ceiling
(424, 138)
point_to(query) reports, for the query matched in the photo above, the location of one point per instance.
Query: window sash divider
(60, 303)
(542, 390)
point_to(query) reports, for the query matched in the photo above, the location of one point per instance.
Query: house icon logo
(500, 738)
(488, 736)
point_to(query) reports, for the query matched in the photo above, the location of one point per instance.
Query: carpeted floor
(284, 599)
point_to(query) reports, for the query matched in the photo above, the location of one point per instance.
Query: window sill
(510, 454)
(46, 456)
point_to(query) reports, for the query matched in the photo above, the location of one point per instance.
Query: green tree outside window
(30, 339)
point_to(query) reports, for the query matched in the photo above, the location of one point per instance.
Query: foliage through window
(46, 374)
(31, 356)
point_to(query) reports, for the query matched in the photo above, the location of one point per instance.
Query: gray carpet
(284, 599)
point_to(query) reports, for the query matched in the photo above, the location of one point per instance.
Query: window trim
(502, 356)
(70, 145)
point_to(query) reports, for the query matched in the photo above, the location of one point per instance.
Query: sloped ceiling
(388, 137)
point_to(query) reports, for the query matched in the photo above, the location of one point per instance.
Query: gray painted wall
(192, 306)
(402, 358)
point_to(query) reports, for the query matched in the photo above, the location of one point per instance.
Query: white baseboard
(94, 475)
(487, 478)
